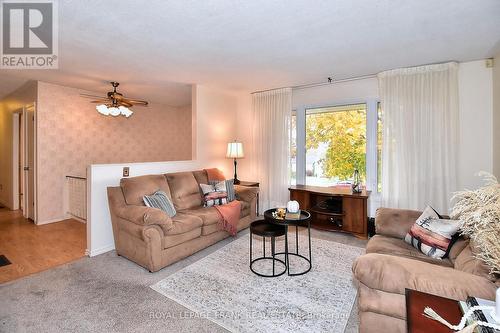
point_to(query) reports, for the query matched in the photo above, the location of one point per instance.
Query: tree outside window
(335, 144)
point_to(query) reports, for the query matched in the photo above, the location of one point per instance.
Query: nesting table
(304, 221)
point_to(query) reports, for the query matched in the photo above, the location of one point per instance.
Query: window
(335, 144)
(329, 142)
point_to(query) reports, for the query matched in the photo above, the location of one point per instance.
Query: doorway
(24, 161)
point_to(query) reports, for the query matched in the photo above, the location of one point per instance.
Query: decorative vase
(356, 184)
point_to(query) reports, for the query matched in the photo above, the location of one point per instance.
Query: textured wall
(73, 135)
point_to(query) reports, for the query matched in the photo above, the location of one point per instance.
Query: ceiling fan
(114, 103)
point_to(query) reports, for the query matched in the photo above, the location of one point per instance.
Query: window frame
(371, 139)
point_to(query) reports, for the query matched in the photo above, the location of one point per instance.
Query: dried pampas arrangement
(479, 214)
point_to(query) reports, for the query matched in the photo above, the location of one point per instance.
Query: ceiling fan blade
(135, 101)
(102, 101)
(92, 96)
(125, 103)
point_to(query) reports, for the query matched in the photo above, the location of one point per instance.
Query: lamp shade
(235, 150)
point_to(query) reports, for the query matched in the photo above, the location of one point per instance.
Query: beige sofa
(390, 265)
(149, 237)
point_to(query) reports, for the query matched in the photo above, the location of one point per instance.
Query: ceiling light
(114, 111)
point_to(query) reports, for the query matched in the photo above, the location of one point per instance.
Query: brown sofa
(390, 265)
(149, 237)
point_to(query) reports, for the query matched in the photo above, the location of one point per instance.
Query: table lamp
(235, 151)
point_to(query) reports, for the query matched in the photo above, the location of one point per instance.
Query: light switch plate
(126, 171)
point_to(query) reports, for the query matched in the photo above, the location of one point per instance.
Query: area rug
(221, 288)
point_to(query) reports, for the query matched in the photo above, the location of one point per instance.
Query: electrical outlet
(126, 171)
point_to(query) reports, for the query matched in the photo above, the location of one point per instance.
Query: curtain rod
(319, 84)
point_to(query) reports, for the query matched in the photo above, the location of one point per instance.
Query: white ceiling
(256, 44)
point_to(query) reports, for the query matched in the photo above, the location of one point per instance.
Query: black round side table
(305, 221)
(266, 229)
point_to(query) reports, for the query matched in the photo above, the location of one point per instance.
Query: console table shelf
(334, 208)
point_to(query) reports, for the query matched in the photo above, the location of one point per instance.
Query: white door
(29, 163)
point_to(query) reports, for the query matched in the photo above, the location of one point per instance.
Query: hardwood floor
(31, 248)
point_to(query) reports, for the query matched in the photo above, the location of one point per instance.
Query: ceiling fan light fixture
(102, 109)
(125, 111)
(115, 104)
(114, 111)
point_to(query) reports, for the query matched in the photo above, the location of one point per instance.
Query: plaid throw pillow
(215, 194)
(432, 235)
(160, 200)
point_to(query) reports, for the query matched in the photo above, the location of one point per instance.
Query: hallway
(32, 248)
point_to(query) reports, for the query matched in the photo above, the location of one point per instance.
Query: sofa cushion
(182, 223)
(184, 189)
(173, 240)
(393, 274)
(210, 229)
(398, 247)
(395, 222)
(467, 262)
(201, 176)
(135, 188)
(209, 215)
(457, 248)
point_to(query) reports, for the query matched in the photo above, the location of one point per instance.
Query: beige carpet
(108, 293)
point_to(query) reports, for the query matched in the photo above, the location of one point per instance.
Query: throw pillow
(160, 200)
(215, 194)
(231, 194)
(431, 234)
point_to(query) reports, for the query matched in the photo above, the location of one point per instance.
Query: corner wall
(475, 94)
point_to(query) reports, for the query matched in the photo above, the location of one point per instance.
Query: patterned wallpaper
(72, 135)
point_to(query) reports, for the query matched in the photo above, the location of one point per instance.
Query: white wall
(216, 112)
(244, 122)
(496, 116)
(475, 84)
(214, 125)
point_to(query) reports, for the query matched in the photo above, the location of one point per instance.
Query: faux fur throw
(229, 216)
(479, 213)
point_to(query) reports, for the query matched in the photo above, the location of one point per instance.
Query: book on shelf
(478, 315)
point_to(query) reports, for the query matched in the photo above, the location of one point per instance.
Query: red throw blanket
(229, 216)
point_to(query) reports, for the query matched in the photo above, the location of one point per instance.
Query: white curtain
(271, 145)
(420, 136)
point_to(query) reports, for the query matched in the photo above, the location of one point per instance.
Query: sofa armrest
(244, 193)
(393, 274)
(395, 222)
(144, 216)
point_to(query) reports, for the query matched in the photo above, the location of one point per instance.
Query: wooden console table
(334, 208)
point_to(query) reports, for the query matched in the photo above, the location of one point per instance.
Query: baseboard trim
(104, 249)
(50, 221)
